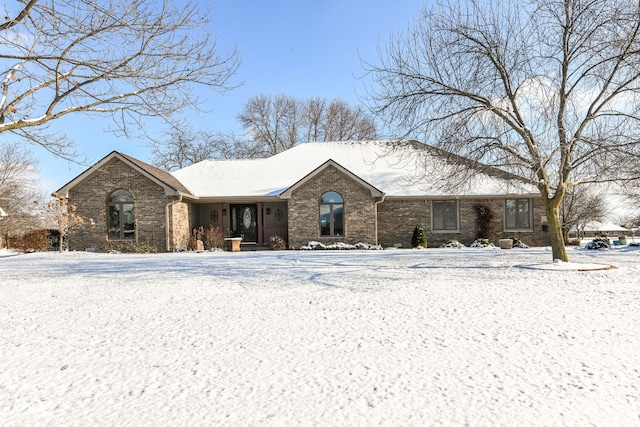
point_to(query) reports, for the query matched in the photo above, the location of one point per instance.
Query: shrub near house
(419, 238)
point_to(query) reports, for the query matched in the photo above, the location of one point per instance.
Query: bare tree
(544, 88)
(63, 217)
(335, 121)
(581, 205)
(275, 124)
(15, 160)
(183, 146)
(631, 189)
(130, 60)
(631, 221)
(176, 151)
(314, 115)
(348, 123)
(271, 123)
(18, 192)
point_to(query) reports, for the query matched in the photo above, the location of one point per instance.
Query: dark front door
(245, 222)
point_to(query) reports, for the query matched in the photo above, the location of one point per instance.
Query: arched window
(331, 214)
(120, 216)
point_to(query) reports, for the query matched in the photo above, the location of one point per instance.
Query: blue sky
(297, 47)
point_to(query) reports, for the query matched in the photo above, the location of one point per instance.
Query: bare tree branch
(18, 191)
(277, 123)
(130, 60)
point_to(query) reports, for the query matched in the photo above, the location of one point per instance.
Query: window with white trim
(444, 215)
(517, 214)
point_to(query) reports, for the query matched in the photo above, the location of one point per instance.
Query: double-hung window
(517, 214)
(444, 215)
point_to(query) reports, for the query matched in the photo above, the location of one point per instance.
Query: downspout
(167, 217)
(376, 226)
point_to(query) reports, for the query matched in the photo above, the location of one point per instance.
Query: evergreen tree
(419, 238)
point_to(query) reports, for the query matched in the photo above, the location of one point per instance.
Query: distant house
(596, 229)
(366, 191)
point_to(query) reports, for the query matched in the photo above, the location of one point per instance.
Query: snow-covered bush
(517, 243)
(313, 245)
(482, 243)
(367, 246)
(452, 244)
(598, 243)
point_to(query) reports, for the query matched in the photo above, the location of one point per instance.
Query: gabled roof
(374, 191)
(395, 168)
(167, 181)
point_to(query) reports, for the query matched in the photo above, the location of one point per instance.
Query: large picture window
(444, 215)
(331, 214)
(121, 216)
(517, 214)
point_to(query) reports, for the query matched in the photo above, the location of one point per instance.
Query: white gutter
(377, 203)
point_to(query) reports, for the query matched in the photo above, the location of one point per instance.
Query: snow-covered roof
(397, 168)
(170, 184)
(600, 226)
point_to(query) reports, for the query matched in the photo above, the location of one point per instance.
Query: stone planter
(505, 243)
(233, 243)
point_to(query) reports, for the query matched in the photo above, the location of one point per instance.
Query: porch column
(260, 224)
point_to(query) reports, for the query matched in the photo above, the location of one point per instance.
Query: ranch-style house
(374, 192)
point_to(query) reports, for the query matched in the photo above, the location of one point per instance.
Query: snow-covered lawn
(476, 337)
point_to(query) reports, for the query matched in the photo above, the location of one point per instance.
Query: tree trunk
(60, 242)
(558, 249)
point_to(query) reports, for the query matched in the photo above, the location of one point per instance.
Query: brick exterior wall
(397, 219)
(303, 210)
(91, 199)
(180, 226)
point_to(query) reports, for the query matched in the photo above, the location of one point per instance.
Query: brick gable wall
(91, 198)
(304, 205)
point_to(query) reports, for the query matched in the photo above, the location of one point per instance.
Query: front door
(245, 222)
